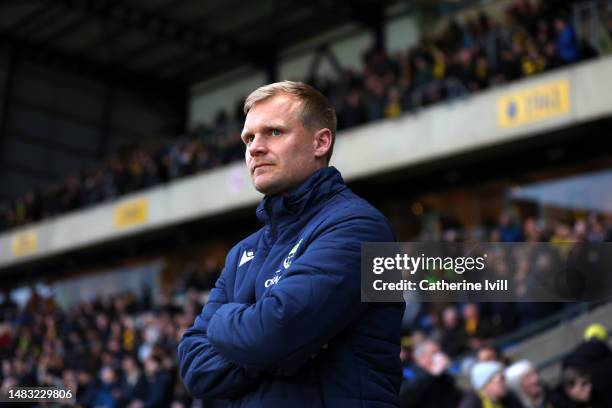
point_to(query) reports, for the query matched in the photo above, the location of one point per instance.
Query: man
(525, 382)
(284, 325)
(427, 383)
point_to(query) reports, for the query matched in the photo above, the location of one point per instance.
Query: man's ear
(322, 142)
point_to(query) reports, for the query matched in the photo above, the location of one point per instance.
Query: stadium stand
(462, 60)
(117, 347)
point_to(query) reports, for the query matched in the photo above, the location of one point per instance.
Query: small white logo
(272, 281)
(289, 258)
(246, 257)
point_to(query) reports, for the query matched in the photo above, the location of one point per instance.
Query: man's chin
(266, 187)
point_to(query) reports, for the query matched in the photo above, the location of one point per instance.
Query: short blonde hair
(316, 112)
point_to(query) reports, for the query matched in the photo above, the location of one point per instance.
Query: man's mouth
(257, 166)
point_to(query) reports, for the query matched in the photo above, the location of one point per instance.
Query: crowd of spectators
(463, 59)
(124, 172)
(430, 381)
(117, 351)
(464, 328)
(120, 351)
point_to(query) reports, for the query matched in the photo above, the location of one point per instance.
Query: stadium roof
(169, 42)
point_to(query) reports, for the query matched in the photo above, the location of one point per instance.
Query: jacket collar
(318, 187)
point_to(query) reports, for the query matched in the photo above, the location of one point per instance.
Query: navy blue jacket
(284, 325)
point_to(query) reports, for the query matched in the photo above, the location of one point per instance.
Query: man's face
(280, 152)
(530, 383)
(486, 354)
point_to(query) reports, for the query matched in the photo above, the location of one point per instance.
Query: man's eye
(249, 139)
(276, 132)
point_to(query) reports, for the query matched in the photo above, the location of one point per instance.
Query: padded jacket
(284, 325)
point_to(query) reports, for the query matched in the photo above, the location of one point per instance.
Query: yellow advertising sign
(132, 213)
(24, 243)
(533, 104)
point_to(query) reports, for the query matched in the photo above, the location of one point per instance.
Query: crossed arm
(205, 372)
(317, 297)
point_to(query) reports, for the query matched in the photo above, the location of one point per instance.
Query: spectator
(453, 338)
(393, 107)
(134, 383)
(488, 388)
(593, 357)
(376, 98)
(428, 384)
(567, 48)
(158, 384)
(525, 382)
(482, 73)
(353, 112)
(87, 388)
(509, 229)
(477, 327)
(423, 74)
(488, 353)
(574, 391)
(109, 393)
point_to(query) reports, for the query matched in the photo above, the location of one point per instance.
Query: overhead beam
(160, 27)
(30, 17)
(68, 28)
(82, 65)
(110, 37)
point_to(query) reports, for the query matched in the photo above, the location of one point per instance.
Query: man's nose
(257, 146)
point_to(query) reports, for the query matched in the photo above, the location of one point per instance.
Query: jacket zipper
(272, 226)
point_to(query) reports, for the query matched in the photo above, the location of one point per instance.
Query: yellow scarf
(487, 403)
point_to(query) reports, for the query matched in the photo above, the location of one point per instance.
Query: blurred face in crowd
(530, 384)
(6, 368)
(107, 375)
(280, 152)
(425, 353)
(487, 354)
(430, 358)
(129, 365)
(151, 366)
(496, 388)
(83, 377)
(579, 390)
(470, 312)
(405, 354)
(450, 319)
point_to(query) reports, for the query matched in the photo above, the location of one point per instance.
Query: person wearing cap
(593, 357)
(523, 379)
(575, 390)
(596, 331)
(489, 388)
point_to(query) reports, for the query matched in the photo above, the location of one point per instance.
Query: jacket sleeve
(317, 297)
(204, 371)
